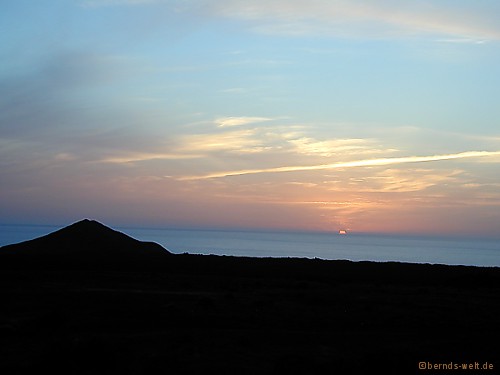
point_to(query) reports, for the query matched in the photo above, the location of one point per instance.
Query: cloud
(349, 164)
(461, 41)
(235, 90)
(138, 157)
(129, 147)
(105, 3)
(238, 121)
(240, 140)
(393, 180)
(328, 148)
(342, 18)
(228, 141)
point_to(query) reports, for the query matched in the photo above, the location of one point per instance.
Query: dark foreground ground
(226, 315)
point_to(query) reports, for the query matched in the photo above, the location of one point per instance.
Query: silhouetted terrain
(85, 243)
(90, 300)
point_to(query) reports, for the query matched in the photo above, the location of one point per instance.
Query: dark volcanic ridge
(85, 241)
(90, 245)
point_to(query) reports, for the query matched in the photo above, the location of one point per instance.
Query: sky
(318, 115)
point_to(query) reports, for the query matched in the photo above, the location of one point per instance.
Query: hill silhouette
(87, 299)
(83, 242)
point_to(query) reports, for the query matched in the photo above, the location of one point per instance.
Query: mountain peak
(88, 241)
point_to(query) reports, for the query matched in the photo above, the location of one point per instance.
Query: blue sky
(371, 116)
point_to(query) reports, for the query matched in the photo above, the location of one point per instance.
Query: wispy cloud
(217, 143)
(223, 122)
(241, 141)
(359, 18)
(350, 164)
(331, 147)
(342, 18)
(139, 157)
(462, 41)
(104, 3)
(394, 180)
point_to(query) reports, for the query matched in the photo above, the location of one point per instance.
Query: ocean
(355, 247)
